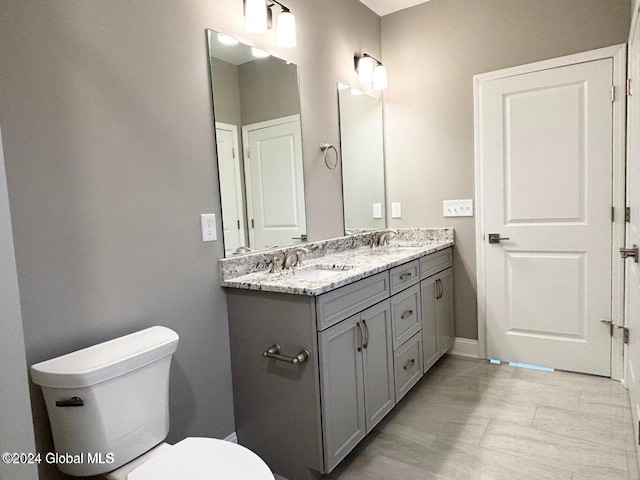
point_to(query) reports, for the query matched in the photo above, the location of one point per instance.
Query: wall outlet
(208, 224)
(396, 210)
(457, 208)
(377, 210)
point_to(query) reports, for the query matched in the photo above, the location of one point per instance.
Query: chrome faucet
(381, 238)
(293, 258)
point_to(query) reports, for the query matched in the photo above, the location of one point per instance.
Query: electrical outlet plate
(377, 210)
(208, 224)
(457, 208)
(396, 210)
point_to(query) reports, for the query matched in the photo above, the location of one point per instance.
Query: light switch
(377, 210)
(457, 208)
(396, 210)
(208, 224)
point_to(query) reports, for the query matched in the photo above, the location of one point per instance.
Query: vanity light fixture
(258, 17)
(371, 70)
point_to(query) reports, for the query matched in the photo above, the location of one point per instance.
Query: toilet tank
(108, 403)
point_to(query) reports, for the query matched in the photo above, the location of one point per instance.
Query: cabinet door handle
(71, 402)
(366, 334)
(439, 289)
(409, 364)
(361, 337)
(406, 276)
(406, 314)
(274, 352)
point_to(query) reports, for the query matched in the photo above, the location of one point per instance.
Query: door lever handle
(630, 252)
(495, 238)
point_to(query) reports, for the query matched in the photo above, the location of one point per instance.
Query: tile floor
(470, 420)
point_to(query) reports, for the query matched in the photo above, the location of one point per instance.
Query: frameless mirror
(259, 146)
(361, 142)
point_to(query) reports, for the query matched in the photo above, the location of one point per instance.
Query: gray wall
(432, 52)
(268, 90)
(109, 152)
(226, 83)
(16, 423)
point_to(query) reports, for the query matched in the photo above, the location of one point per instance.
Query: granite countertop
(321, 273)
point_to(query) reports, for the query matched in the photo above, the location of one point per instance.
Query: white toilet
(109, 412)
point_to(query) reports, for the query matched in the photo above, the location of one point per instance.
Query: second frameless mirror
(259, 144)
(361, 142)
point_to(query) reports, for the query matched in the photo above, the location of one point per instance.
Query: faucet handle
(274, 264)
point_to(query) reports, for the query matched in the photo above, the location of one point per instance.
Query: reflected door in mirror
(275, 186)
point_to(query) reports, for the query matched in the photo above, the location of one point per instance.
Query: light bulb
(380, 81)
(255, 16)
(365, 69)
(286, 30)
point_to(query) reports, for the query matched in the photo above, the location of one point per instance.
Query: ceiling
(384, 7)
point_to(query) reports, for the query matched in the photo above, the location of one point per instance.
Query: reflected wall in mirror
(361, 142)
(259, 146)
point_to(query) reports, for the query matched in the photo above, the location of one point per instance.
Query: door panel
(429, 326)
(378, 363)
(444, 310)
(546, 146)
(275, 184)
(343, 414)
(230, 187)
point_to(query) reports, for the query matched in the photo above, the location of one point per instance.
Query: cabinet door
(429, 325)
(377, 352)
(444, 310)
(342, 397)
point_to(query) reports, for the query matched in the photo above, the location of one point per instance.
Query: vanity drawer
(335, 306)
(406, 319)
(407, 365)
(404, 276)
(435, 263)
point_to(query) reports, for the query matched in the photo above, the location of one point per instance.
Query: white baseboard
(232, 437)
(465, 347)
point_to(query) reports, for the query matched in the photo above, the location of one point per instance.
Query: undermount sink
(319, 272)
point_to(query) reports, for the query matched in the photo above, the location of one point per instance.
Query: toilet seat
(198, 458)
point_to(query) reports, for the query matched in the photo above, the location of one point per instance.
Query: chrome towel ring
(325, 147)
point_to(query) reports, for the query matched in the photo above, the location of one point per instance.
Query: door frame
(618, 53)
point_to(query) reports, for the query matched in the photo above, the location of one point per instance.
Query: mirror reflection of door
(275, 192)
(230, 187)
(257, 97)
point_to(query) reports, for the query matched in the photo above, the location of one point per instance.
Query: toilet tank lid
(106, 360)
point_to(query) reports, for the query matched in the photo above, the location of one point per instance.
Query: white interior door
(230, 187)
(545, 145)
(275, 184)
(632, 277)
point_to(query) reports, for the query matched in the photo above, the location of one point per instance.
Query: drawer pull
(274, 352)
(406, 276)
(409, 364)
(406, 314)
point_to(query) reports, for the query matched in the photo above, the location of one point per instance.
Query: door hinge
(629, 92)
(613, 93)
(253, 225)
(613, 214)
(627, 214)
(248, 153)
(233, 152)
(238, 224)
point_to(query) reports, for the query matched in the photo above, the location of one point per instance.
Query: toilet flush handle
(72, 402)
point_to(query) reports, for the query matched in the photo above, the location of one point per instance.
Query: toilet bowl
(108, 407)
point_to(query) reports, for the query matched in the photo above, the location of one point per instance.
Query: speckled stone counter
(341, 261)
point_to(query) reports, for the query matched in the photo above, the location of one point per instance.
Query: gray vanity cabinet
(437, 316)
(357, 379)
